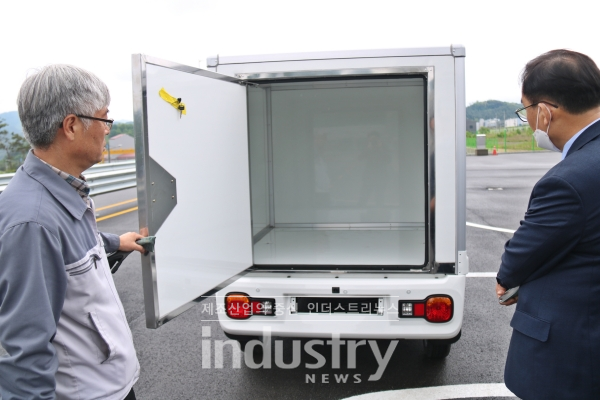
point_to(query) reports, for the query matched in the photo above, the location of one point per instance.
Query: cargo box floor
(310, 246)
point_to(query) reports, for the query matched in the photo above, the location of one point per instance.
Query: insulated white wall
(350, 152)
(257, 125)
(206, 239)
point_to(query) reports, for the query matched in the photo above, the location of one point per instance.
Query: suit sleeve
(111, 241)
(553, 225)
(32, 291)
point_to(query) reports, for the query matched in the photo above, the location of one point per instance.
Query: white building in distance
(513, 122)
(488, 123)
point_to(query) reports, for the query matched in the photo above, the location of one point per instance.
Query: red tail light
(238, 306)
(419, 310)
(438, 309)
(242, 306)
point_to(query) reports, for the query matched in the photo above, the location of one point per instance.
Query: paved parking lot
(498, 189)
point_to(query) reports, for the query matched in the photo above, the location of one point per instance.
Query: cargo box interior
(339, 172)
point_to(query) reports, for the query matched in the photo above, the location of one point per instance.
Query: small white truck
(315, 194)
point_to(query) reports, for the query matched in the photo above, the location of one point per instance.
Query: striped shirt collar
(80, 185)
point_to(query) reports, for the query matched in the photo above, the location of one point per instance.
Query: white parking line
(482, 274)
(491, 228)
(441, 392)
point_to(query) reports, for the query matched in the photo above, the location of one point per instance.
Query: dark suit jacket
(555, 257)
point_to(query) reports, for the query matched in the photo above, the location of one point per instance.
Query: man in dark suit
(554, 256)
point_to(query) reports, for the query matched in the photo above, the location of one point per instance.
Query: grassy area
(506, 139)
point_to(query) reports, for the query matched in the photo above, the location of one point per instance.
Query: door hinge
(248, 83)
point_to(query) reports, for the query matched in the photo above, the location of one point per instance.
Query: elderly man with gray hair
(61, 320)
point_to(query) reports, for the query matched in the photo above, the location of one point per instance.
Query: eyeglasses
(108, 122)
(522, 112)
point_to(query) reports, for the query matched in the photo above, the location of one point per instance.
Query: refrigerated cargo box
(314, 194)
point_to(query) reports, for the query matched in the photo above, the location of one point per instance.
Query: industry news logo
(318, 351)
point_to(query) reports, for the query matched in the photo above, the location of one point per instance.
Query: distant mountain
(11, 119)
(492, 109)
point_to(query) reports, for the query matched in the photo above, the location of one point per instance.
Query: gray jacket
(61, 320)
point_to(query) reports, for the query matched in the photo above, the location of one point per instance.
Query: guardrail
(102, 178)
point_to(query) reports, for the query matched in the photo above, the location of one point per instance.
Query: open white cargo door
(193, 183)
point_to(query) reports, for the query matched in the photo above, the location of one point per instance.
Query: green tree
(492, 109)
(123, 127)
(15, 147)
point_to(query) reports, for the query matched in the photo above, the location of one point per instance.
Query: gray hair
(52, 93)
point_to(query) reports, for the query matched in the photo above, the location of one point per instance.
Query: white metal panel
(463, 263)
(461, 152)
(207, 237)
(328, 55)
(445, 162)
(444, 124)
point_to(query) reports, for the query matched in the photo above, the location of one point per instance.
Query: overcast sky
(500, 37)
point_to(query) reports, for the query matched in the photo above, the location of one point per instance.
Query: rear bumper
(390, 287)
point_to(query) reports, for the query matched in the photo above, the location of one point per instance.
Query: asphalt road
(498, 189)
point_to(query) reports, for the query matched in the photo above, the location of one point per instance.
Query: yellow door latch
(174, 101)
